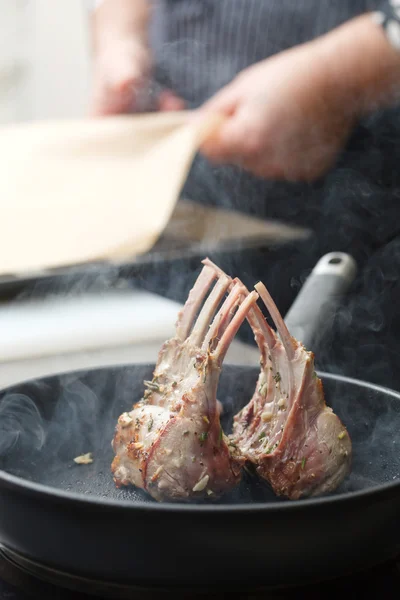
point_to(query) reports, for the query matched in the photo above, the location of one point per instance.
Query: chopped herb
(174, 384)
(152, 385)
(206, 419)
(261, 388)
(303, 462)
(341, 435)
(277, 377)
(150, 425)
(137, 424)
(203, 436)
(193, 459)
(186, 433)
(269, 450)
(262, 436)
(315, 375)
(270, 357)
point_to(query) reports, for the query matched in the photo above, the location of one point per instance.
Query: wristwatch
(388, 16)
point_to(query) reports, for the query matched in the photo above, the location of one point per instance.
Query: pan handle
(315, 305)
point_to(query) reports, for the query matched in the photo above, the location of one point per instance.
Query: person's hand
(122, 79)
(286, 119)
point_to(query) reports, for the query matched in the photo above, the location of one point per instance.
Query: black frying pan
(72, 519)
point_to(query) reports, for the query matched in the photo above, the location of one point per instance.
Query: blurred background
(95, 317)
(36, 82)
(107, 315)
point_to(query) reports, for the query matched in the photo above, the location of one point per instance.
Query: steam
(75, 281)
(74, 417)
(20, 424)
(376, 450)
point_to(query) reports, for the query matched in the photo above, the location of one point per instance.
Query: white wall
(60, 61)
(13, 71)
(44, 64)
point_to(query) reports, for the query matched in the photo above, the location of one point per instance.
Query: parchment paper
(93, 189)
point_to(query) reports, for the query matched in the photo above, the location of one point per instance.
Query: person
(310, 90)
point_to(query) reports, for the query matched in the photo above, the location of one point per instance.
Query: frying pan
(72, 519)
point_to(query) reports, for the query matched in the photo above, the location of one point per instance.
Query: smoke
(75, 416)
(44, 425)
(370, 418)
(20, 424)
(74, 281)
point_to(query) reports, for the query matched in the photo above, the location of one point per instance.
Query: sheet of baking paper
(94, 189)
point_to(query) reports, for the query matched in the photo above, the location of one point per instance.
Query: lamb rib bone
(171, 443)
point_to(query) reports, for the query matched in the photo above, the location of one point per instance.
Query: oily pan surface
(45, 424)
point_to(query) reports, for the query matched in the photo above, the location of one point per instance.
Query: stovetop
(17, 582)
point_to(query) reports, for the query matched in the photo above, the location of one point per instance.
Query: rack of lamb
(295, 441)
(171, 443)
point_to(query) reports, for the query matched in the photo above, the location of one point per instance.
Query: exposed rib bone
(224, 315)
(255, 316)
(234, 325)
(284, 334)
(193, 303)
(208, 311)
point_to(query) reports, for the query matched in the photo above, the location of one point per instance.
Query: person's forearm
(363, 66)
(119, 19)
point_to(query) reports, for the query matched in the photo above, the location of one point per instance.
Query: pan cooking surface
(45, 424)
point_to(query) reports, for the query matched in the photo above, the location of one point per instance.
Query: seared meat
(171, 444)
(287, 431)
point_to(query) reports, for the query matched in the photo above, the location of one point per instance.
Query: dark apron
(200, 45)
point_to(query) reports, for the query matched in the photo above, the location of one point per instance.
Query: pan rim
(31, 488)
